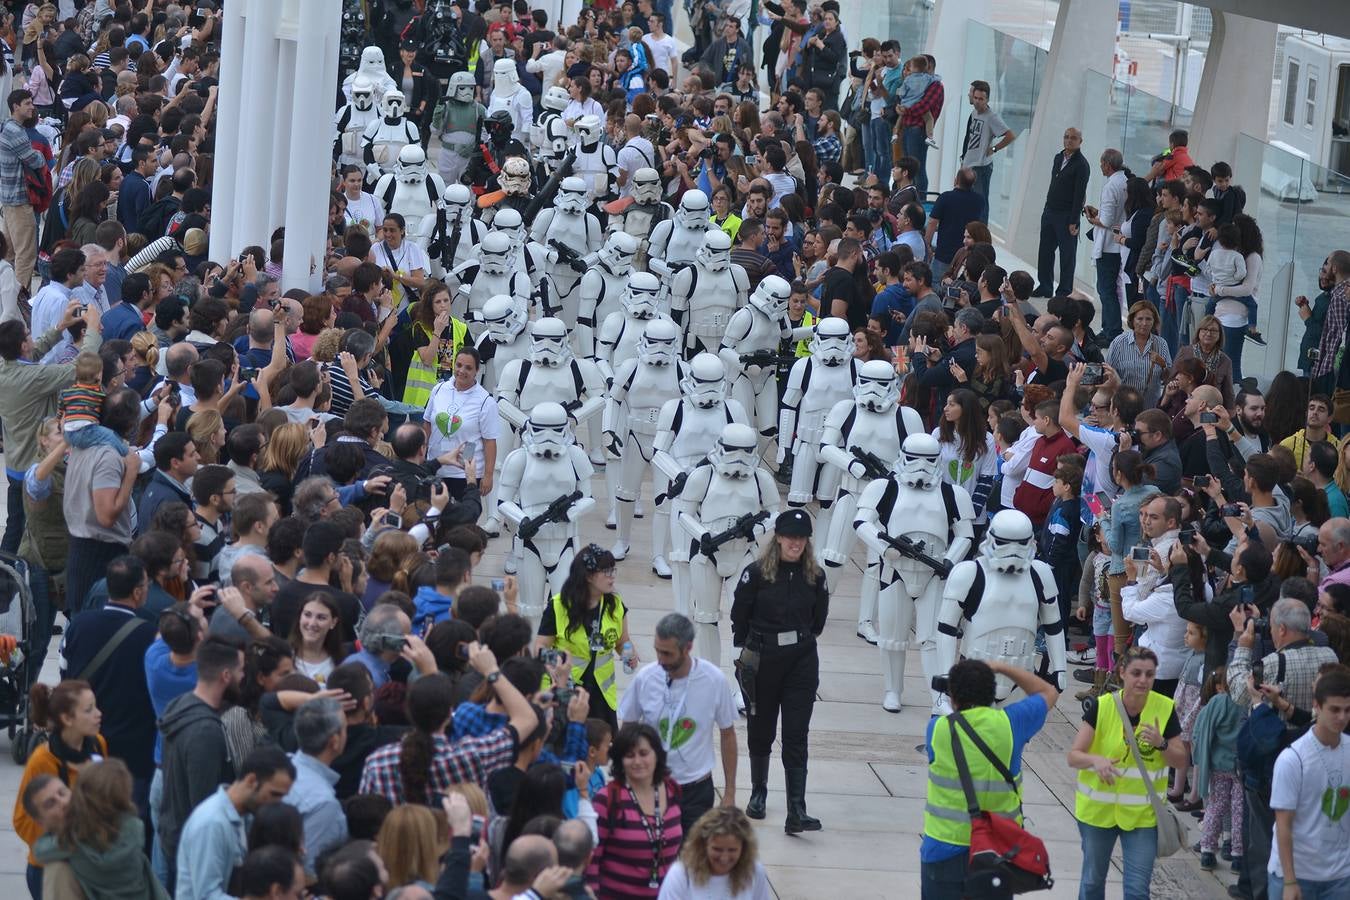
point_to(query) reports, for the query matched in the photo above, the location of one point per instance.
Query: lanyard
(653, 829)
(667, 734)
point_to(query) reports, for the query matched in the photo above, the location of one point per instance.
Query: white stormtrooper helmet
(658, 344)
(462, 87)
(832, 343)
(715, 254)
(393, 104)
(363, 93)
(458, 200)
(494, 253)
(547, 435)
(642, 297)
(571, 196)
(705, 381)
(589, 131)
(918, 462)
(693, 211)
(877, 389)
(548, 342)
(509, 222)
(618, 251)
(372, 63)
(515, 176)
(504, 75)
(646, 186)
(503, 319)
(771, 296)
(555, 98)
(736, 453)
(412, 164)
(1010, 544)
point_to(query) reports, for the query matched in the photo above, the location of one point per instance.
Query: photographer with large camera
(945, 852)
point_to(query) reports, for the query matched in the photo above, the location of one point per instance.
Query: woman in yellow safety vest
(436, 339)
(589, 621)
(1112, 799)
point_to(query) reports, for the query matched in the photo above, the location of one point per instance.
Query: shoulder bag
(1004, 857)
(1171, 830)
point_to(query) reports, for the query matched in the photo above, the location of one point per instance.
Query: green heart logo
(682, 732)
(1335, 803)
(448, 424)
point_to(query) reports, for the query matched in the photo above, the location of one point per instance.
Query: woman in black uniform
(780, 608)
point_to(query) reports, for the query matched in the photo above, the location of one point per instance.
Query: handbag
(1171, 830)
(1005, 858)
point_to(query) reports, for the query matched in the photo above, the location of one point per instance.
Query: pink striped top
(622, 865)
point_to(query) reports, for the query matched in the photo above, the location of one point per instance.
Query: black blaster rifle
(874, 465)
(568, 256)
(766, 359)
(677, 486)
(743, 527)
(550, 188)
(915, 551)
(556, 512)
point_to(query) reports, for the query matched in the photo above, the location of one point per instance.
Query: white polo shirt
(687, 712)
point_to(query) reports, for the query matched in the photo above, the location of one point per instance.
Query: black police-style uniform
(781, 620)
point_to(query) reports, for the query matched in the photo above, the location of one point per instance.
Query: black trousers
(787, 680)
(1055, 237)
(696, 798)
(1256, 831)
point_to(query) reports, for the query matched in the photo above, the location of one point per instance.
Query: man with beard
(196, 760)
(18, 161)
(1247, 433)
(707, 701)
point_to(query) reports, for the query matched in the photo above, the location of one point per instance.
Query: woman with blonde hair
(208, 433)
(280, 458)
(409, 846)
(146, 349)
(720, 860)
(326, 345)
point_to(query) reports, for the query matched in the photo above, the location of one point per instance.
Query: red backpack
(39, 183)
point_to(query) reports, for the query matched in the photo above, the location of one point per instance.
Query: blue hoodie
(432, 607)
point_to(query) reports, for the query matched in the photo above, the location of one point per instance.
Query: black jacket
(1214, 615)
(788, 602)
(1068, 184)
(119, 683)
(196, 761)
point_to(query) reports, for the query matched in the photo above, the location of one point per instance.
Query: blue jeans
(1055, 237)
(1170, 321)
(1108, 291)
(1312, 890)
(94, 436)
(944, 880)
(982, 176)
(157, 863)
(40, 583)
(939, 269)
(914, 142)
(1249, 302)
(14, 520)
(1138, 849)
(877, 149)
(86, 563)
(1233, 341)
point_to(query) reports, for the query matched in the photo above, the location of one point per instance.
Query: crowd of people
(259, 517)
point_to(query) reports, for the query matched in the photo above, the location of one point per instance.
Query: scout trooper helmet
(547, 435)
(458, 200)
(393, 104)
(705, 381)
(462, 87)
(877, 389)
(715, 254)
(693, 211)
(515, 176)
(659, 343)
(363, 93)
(571, 196)
(736, 453)
(503, 319)
(646, 186)
(589, 131)
(1010, 544)
(494, 253)
(642, 297)
(771, 296)
(832, 343)
(618, 251)
(918, 462)
(412, 164)
(548, 343)
(555, 98)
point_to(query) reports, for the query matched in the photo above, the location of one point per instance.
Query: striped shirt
(1137, 369)
(469, 761)
(343, 397)
(622, 864)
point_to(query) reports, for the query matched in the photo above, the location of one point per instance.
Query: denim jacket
(1123, 529)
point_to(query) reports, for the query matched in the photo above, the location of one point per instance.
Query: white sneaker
(660, 567)
(510, 565)
(612, 521)
(891, 702)
(493, 527)
(1086, 658)
(619, 550)
(868, 632)
(932, 143)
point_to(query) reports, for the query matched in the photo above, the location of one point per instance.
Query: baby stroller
(17, 615)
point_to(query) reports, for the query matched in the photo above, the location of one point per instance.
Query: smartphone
(248, 374)
(462, 651)
(1259, 672)
(1209, 418)
(1201, 481)
(1093, 374)
(1186, 536)
(1141, 553)
(468, 450)
(953, 292)
(498, 584)
(393, 520)
(84, 308)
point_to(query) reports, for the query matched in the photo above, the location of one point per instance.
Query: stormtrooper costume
(508, 94)
(601, 289)
(815, 384)
(477, 280)
(913, 502)
(527, 257)
(451, 234)
(550, 373)
(373, 69)
(676, 241)
(617, 340)
(759, 328)
(578, 231)
(351, 120)
(458, 123)
(504, 338)
(385, 137)
(597, 163)
(1024, 588)
(640, 389)
(875, 422)
(704, 296)
(645, 212)
(686, 432)
(551, 138)
(412, 193)
(517, 183)
(549, 470)
(717, 495)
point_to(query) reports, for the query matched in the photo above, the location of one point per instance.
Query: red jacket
(1034, 495)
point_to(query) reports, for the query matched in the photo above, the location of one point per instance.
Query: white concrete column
(229, 103)
(259, 97)
(948, 41)
(1234, 95)
(1083, 44)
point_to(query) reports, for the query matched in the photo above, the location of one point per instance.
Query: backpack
(154, 219)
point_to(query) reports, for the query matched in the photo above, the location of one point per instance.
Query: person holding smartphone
(460, 413)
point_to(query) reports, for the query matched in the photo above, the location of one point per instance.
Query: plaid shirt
(16, 154)
(473, 720)
(469, 761)
(929, 104)
(1333, 329)
(828, 148)
(1301, 663)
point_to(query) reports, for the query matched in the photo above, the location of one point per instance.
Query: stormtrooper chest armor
(826, 387)
(875, 432)
(764, 333)
(727, 500)
(595, 167)
(545, 480)
(640, 219)
(649, 389)
(611, 289)
(387, 140)
(699, 429)
(712, 302)
(625, 348)
(411, 201)
(487, 285)
(568, 229)
(1004, 630)
(683, 244)
(357, 122)
(502, 355)
(920, 516)
(543, 383)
